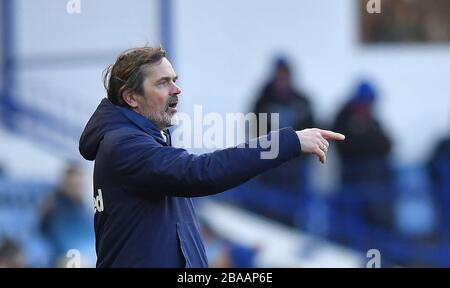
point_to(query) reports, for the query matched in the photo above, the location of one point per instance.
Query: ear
(129, 98)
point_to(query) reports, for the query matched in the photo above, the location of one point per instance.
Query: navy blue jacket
(142, 187)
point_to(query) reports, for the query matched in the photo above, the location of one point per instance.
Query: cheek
(160, 99)
(156, 100)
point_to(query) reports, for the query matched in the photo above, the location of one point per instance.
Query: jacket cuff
(290, 144)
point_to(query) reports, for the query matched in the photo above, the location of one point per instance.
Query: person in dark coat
(293, 107)
(438, 167)
(366, 170)
(144, 215)
(365, 155)
(439, 157)
(279, 95)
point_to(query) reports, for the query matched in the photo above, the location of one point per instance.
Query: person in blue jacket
(144, 215)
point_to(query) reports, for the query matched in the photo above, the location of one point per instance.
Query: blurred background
(376, 71)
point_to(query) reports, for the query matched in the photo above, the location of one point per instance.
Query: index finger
(330, 135)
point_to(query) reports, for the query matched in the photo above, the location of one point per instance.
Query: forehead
(160, 69)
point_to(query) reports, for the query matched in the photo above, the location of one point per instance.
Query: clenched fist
(314, 141)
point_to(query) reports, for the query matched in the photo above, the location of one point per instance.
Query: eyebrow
(167, 78)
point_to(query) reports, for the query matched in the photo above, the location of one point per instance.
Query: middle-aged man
(144, 216)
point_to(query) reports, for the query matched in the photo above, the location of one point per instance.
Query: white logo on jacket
(98, 202)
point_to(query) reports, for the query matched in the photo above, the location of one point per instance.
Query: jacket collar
(145, 125)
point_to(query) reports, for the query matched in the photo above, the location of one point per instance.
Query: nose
(175, 89)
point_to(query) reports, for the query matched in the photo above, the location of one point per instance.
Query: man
(366, 170)
(66, 221)
(293, 107)
(143, 214)
(279, 95)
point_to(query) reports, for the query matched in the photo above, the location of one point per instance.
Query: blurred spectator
(279, 95)
(366, 172)
(20, 206)
(223, 253)
(441, 155)
(11, 256)
(439, 171)
(366, 141)
(67, 221)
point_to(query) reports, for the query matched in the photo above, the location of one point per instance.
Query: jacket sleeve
(148, 167)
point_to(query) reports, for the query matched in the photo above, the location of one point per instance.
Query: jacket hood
(108, 117)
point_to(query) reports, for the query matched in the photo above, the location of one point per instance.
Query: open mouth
(173, 106)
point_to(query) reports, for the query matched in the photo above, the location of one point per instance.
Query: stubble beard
(162, 119)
